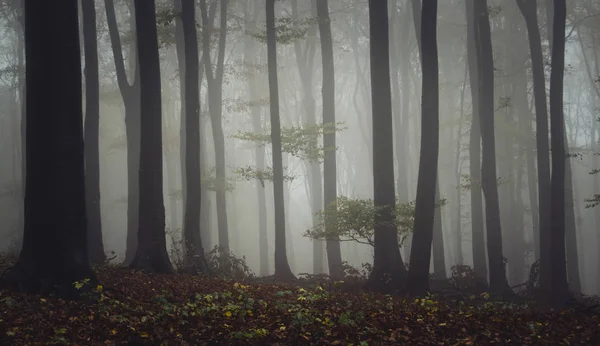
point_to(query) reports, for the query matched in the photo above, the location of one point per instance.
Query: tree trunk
(334, 252)
(418, 274)
(131, 101)
(529, 11)
(215, 100)
(477, 226)
(558, 283)
(388, 268)
(151, 254)
(282, 267)
(54, 252)
(439, 255)
(483, 42)
(91, 138)
(253, 86)
(196, 261)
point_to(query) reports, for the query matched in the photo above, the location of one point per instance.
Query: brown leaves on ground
(142, 309)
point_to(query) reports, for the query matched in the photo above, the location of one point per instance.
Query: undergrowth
(134, 308)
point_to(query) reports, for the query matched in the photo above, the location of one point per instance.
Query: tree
(558, 274)
(215, 100)
(334, 252)
(130, 92)
(282, 267)
(529, 11)
(485, 64)
(54, 252)
(151, 251)
(91, 128)
(191, 219)
(477, 226)
(388, 268)
(418, 274)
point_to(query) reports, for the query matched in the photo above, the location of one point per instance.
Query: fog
(299, 57)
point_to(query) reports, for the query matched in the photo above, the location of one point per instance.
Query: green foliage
(354, 220)
(251, 173)
(467, 182)
(210, 182)
(298, 141)
(592, 201)
(287, 30)
(226, 265)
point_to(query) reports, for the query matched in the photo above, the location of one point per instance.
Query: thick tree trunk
(498, 283)
(477, 226)
(54, 252)
(282, 267)
(151, 254)
(91, 138)
(334, 252)
(388, 268)
(425, 212)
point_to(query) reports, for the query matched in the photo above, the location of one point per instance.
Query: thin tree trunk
(282, 267)
(334, 252)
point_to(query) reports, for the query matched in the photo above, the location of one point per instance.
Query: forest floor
(142, 309)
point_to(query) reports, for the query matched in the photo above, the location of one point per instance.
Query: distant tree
(485, 64)
(54, 252)
(92, 129)
(282, 267)
(334, 252)
(388, 271)
(195, 261)
(130, 92)
(215, 104)
(477, 226)
(151, 251)
(418, 274)
(558, 289)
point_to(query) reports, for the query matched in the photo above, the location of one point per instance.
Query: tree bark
(498, 282)
(151, 254)
(477, 226)
(334, 252)
(418, 274)
(91, 138)
(282, 267)
(558, 283)
(54, 252)
(196, 261)
(131, 101)
(215, 100)
(388, 272)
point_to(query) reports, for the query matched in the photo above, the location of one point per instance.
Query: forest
(300, 172)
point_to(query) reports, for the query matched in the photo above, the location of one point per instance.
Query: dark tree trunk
(388, 272)
(253, 86)
(529, 11)
(91, 138)
(334, 252)
(191, 219)
(282, 267)
(418, 274)
(498, 283)
(151, 254)
(558, 274)
(477, 226)
(54, 252)
(215, 100)
(131, 101)
(439, 255)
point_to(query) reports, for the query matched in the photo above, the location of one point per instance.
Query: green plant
(226, 265)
